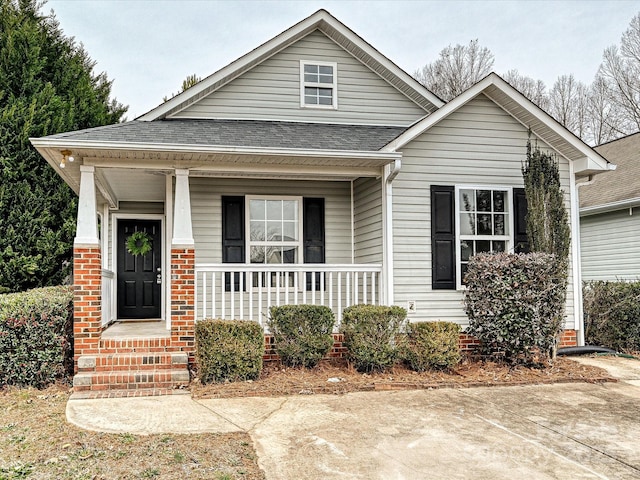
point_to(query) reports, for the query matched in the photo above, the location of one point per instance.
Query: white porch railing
(246, 292)
(107, 296)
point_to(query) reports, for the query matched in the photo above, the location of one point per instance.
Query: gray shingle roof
(244, 133)
(621, 184)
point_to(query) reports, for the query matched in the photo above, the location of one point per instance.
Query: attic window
(318, 84)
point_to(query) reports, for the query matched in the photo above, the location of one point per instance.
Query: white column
(87, 226)
(182, 230)
(390, 173)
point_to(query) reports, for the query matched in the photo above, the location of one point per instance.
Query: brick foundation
(569, 338)
(467, 343)
(182, 298)
(337, 351)
(87, 300)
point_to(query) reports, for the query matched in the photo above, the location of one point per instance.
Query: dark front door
(139, 276)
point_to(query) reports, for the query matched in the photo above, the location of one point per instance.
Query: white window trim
(247, 216)
(509, 238)
(333, 86)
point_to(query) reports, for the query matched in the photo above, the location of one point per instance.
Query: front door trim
(115, 217)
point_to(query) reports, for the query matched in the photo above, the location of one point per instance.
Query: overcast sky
(149, 46)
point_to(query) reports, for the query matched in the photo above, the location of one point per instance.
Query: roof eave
(610, 207)
(61, 143)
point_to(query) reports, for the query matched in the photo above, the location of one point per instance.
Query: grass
(37, 442)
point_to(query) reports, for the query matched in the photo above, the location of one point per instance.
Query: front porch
(196, 269)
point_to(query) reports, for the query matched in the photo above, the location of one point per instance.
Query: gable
(271, 91)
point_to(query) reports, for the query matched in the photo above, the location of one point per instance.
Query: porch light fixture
(66, 157)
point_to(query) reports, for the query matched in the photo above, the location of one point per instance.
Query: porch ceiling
(127, 172)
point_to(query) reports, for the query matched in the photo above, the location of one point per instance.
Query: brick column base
(87, 300)
(183, 300)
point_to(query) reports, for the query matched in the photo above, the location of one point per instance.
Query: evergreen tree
(47, 86)
(547, 220)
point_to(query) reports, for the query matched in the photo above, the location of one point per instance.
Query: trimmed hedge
(515, 304)
(36, 336)
(432, 345)
(373, 335)
(302, 333)
(612, 315)
(229, 350)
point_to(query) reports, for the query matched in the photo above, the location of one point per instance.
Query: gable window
(483, 217)
(318, 84)
(466, 220)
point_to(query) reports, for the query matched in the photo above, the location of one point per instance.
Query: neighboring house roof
(241, 133)
(586, 161)
(332, 28)
(620, 188)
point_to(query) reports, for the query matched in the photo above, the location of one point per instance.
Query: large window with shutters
(482, 222)
(466, 220)
(273, 230)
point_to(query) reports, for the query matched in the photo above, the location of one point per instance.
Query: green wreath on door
(139, 243)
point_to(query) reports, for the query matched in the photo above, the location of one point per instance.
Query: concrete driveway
(564, 431)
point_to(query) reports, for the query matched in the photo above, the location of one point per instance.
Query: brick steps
(134, 371)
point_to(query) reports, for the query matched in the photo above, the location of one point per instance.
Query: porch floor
(137, 329)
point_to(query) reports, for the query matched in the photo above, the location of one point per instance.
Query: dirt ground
(337, 377)
(37, 442)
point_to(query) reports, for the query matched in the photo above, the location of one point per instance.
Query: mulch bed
(338, 377)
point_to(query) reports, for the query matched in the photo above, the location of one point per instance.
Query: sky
(148, 47)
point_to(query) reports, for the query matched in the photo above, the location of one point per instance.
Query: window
(318, 84)
(482, 222)
(274, 230)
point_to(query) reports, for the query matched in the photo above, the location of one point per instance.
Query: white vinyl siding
(367, 193)
(609, 246)
(480, 144)
(271, 91)
(206, 211)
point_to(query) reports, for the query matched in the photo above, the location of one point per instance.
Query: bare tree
(456, 69)
(620, 70)
(568, 103)
(534, 90)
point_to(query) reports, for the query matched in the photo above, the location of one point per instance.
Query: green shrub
(302, 333)
(515, 304)
(36, 336)
(432, 345)
(229, 350)
(612, 315)
(373, 335)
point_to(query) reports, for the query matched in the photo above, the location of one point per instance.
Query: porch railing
(107, 296)
(246, 292)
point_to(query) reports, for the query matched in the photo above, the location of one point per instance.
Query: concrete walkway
(564, 431)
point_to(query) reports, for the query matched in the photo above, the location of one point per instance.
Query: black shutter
(443, 238)
(313, 235)
(520, 221)
(233, 237)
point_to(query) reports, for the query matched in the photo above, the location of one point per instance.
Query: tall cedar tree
(47, 86)
(547, 220)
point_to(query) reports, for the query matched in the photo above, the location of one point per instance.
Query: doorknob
(159, 277)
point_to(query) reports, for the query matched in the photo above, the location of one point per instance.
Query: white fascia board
(610, 207)
(384, 61)
(238, 66)
(273, 46)
(596, 161)
(223, 149)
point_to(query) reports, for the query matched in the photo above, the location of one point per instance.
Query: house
(310, 170)
(610, 217)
